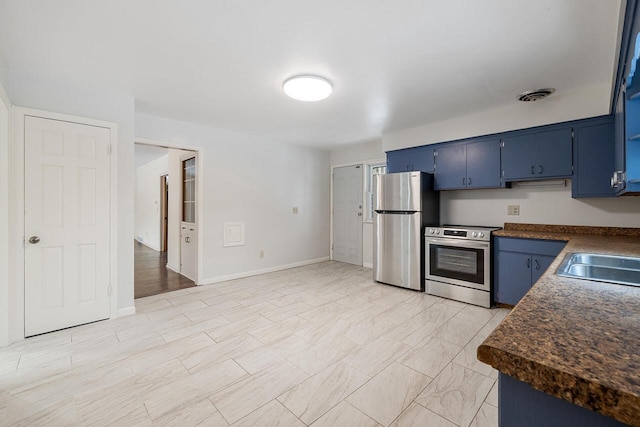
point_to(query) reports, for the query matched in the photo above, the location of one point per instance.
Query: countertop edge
(613, 403)
(617, 403)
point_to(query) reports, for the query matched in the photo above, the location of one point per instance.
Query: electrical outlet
(295, 210)
(513, 210)
(261, 254)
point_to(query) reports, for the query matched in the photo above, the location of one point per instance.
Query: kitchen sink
(601, 268)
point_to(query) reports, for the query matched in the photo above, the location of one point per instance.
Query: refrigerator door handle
(396, 212)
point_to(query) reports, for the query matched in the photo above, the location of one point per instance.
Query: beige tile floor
(321, 345)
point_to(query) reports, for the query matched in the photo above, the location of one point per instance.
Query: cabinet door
(398, 161)
(518, 157)
(451, 167)
(483, 164)
(620, 134)
(514, 277)
(554, 157)
(539, 264)
(422, 159)
(595, 161)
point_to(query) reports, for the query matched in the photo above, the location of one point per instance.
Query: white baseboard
(262, 271)
(157, 249)
(127, 311)
(367, 265)
(172, 268)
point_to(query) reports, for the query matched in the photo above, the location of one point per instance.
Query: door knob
(34, 239)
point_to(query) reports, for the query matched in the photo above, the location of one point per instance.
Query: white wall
(147, 201)
(357, 153)
(5, 105)
(61, 97)
(361, 153)
(537, 206)
(258, 181)
(559, 107)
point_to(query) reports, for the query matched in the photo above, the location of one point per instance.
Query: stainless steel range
(458, 263)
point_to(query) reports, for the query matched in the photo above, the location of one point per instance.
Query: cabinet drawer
(530, 246)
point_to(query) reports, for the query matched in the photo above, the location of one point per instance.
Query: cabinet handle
(469, 181)
(532, 172)
(186, 239)
(539, 169)
(537, 264)
(618, 179)
(528, 262)
(464, 182)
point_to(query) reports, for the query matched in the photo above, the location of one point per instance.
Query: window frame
(371, 171)
(184, 183)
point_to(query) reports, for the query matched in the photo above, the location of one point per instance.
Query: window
(189, 190)
(373, 169)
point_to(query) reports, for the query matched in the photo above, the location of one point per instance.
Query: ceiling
(144, 154)
(394, 64)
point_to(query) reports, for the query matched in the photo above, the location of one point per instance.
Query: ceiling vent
(535, 95)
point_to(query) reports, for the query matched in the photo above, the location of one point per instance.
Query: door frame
(17, 288)
(164, 213)
(199, 154)
(365, 164)
(5, 216)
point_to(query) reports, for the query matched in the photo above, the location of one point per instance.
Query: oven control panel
(471, 233)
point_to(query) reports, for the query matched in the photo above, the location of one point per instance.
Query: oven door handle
(458, 243)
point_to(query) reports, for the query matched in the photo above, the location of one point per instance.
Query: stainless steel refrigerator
(404, 204)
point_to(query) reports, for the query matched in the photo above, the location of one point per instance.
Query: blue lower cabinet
(514, 273)
(520, 405)
(540, 264)
(519, 263)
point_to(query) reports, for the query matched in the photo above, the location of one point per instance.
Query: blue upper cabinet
(422, 158)
(625, 178)
(398, 161)
(471, 165)
(594, 152)
(541, 155)
(411, 159)
(631, 175)
(483, 164)
(451, 167)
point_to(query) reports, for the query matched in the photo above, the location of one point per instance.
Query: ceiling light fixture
(307, 88)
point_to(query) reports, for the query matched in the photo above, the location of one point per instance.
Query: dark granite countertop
(575, 339)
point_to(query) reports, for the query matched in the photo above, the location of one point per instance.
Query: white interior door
(347, 214)
(189, 250)
(66, 224)
(188, 230)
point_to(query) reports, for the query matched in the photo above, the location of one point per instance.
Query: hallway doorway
(152, 276)
(163, 187)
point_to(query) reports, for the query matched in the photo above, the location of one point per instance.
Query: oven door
(459, 262)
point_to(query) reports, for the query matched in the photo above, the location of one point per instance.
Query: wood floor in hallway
(152, 277)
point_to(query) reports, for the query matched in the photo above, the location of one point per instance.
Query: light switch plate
(513, 210)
